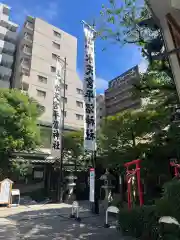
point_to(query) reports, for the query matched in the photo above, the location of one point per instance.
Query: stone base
(70, 198)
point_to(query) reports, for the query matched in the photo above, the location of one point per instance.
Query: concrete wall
(160, 9)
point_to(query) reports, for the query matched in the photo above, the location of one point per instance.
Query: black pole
(60, 183)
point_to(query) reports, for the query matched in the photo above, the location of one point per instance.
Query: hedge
(142, 222)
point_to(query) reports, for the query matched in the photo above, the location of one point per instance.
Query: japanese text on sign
(56, 123)
(89, 92)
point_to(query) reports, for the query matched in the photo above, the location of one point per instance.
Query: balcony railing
(27, 50)
(29, 26)
(28, 38)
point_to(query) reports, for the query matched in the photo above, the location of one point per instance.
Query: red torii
(129, 174)
(176, 168)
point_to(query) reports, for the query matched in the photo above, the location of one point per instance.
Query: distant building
(119, 95)
(8, 37)
(100, 109)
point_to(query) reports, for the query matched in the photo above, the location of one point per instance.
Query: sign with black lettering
(56, 116)
(89, 92)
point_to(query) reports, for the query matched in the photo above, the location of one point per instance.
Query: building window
(57, 34)
(25, 62)
(79, 117)
(64, 99)
(53, 69)
(27, 49)
(28, 36)
(79, 91)
(66, 86)
(65, 113)
(29, 25)
(79, 104)
(42, 79)
(54, 56)
(56, 45)
(41, 93)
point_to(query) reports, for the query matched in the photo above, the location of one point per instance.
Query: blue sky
(67, 15)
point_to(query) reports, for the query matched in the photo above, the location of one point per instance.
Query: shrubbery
(142, 222)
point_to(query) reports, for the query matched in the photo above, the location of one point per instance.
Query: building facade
(39, 45)
(100, 109)
(8, 37)
(119, 95)
(166, 13)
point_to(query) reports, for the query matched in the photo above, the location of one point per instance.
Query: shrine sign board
(5, 191)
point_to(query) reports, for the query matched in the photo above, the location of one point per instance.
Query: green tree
(73, 150)
(18, 124)
(73, 142)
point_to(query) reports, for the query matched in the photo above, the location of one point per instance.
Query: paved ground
(52, 222)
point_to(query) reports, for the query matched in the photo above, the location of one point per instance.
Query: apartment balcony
(4, 22)
(24, 87)
(7, 35)
(24, 67)
(4, 83)
(28, 38)
(29, 26)
(5, 73)
(27, 50)
(6, 9)
(7, 47)
(6, 60)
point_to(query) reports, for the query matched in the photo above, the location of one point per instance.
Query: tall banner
(89, 91)
(57, 115)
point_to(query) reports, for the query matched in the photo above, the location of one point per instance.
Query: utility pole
(62, 127)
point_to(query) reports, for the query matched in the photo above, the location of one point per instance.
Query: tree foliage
(18, 123)
(73, 142)
(149, 131)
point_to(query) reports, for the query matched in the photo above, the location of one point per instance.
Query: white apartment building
(8, 37)
(100, 110)
(39, 45)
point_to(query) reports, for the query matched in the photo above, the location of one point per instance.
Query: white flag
(89, 91)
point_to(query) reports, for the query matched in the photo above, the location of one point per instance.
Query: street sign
(91, 185)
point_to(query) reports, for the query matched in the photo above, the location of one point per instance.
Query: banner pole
(90, 111)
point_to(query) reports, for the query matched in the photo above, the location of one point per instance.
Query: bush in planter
(139, 222)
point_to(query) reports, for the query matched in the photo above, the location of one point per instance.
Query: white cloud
(143, 66)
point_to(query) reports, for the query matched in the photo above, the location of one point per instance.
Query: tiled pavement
(52, 222)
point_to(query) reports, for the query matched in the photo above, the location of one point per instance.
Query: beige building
(167, 15)
(39, 45)
(100, 109)
(8, 37)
